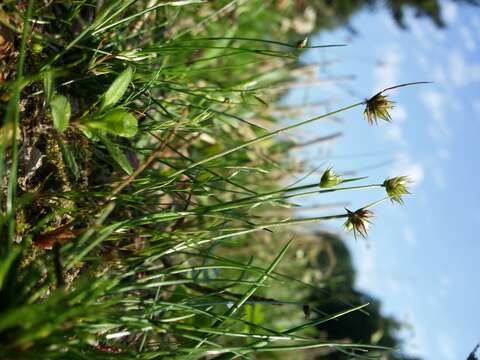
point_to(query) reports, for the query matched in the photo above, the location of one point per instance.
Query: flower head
(378, 107)
(301, 43)
(396, 187)
(358, 221)
(329, 179)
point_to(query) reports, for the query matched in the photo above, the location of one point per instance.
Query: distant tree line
(333, 13)
(364, 327)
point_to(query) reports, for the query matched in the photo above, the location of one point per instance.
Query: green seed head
(378, 107)
(396, 187)
(329, 179)
(358, 221)
(37, 48)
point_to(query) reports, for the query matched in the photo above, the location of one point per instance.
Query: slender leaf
(5, 263)
(48, 85)
(69, 158)
(117, 153)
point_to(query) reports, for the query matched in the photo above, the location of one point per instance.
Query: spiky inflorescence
(329, 179)
(301, 43)
(358, 221)
(396, 187)
(378, 107)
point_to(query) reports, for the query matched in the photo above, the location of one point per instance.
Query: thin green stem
(264, 137)
(255, 228)
(240, 302)
(257, 199)
(12, 180)
(375, 203)
(140, 13)
(102, 17)
(261, 41)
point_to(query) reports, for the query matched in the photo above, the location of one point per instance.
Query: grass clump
(139, 159)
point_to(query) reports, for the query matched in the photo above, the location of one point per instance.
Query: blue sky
(421, 259)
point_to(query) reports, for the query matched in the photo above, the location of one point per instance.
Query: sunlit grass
(119, 235)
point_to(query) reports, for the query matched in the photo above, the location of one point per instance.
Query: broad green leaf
(117, 121)
(61, 112)
(117, 153)
(117, 89)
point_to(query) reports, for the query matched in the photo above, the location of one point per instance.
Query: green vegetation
(144, 207)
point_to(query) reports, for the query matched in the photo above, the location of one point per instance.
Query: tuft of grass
(140, 191)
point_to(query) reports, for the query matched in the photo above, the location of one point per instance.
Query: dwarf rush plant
(147, 198)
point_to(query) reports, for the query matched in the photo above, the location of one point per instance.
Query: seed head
(301, 43)
(396, 187)
(357, 221)
(329, 179)
(378, 107)
(37, 48)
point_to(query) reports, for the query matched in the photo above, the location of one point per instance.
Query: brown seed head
(301, 43)
(378, 107)
(358, 221)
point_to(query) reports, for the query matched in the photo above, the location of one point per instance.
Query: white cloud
(387, 72)
(395, 286)
(444, 288)
(467, 38)
(436, 101)
(443, 154)
(366, 268)
(445, 280)
(419, 33)
(395, 133)
(446, 345)
(417, 340)
(440, 36)
(439, 75)
(439, 179)
(404, 165)
(438, 131)
(462, 73)
(450, 12)
(423, 60)
(399, 113)
(475, 21)
(409, 236)
(424, 33)
(389, 24)
(458, 68)
(476, 109)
